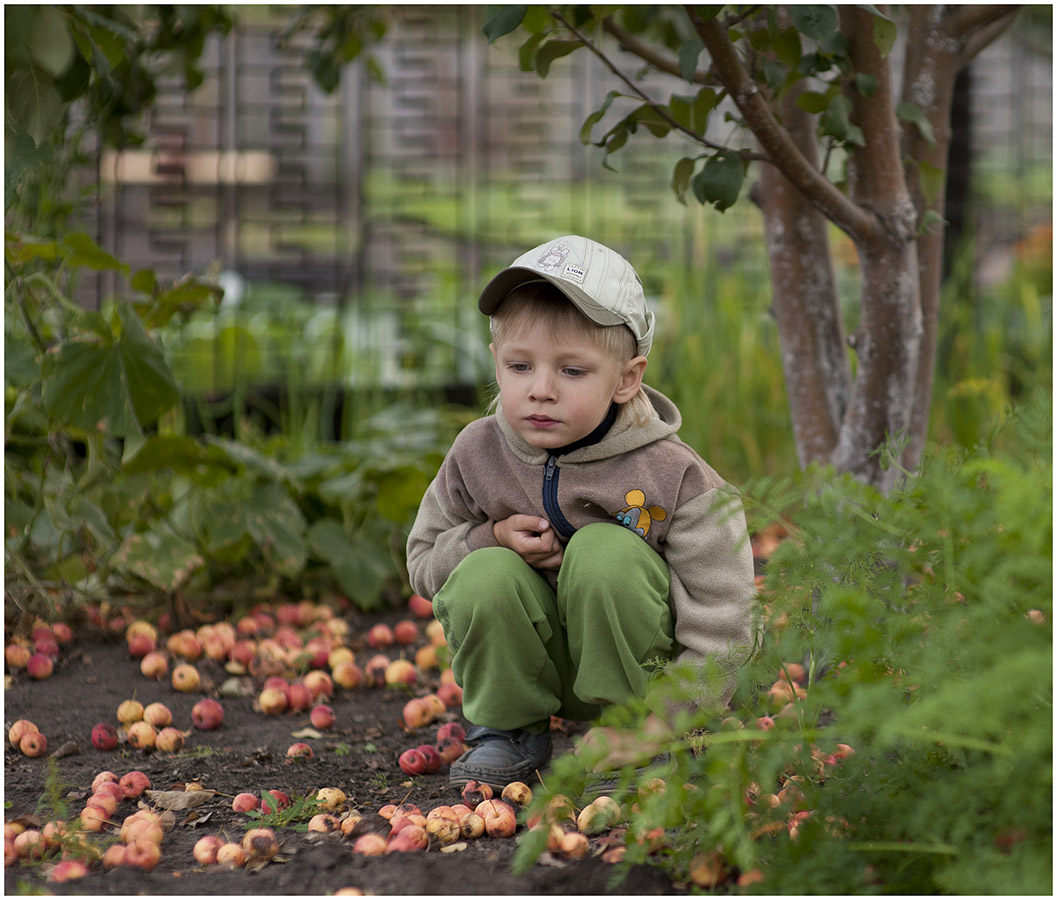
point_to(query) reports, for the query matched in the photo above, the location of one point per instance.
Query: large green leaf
(115, 387)
(358, 567)
(33, 103)
(162, 558)
(278, 527)
(719, 181)
(502, 20)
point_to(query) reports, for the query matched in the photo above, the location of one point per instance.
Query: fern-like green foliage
(918, 757)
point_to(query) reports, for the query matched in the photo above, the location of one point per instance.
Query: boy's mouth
(541, 421)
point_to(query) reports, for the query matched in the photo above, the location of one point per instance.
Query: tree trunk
(806, 301)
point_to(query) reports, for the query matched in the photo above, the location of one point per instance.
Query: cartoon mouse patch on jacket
(637, 516)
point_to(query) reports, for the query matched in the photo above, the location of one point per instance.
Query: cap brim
(502, 284)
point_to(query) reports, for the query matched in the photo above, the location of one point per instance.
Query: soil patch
(95, 672)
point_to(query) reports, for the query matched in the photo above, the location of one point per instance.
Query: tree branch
(985, 34)
(647, 54)
(660, 109)
(960, 22)
(774, 139)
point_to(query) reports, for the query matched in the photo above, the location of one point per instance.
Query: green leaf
(163, 559)
(720, 179)
(88, 253)
(500, 20)
(928, 219)
(885, 31)
(836, 122)
(115, 387)
(787, 47)
(358, 568)
(933, 180)
(915, 115)
(186, 295)
(526, 54)
(704, 103)
(681, 175)
(689, 53)
(595, 117)
(551, 51)
(33, 103)
(144, 281)
(400, 492)
(170, 451)
(50, 43)
(277, 525)
(865, 84)
(813, 101)
(816, 22)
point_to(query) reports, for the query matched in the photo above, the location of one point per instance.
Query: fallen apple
(499, 817)
(417, 713)
(141, 735)
(400, 672)
(300, 697)
(300, 750)
(471, 826)
(33, 744)
(154, 665)
(260, 843)
(573, 845)
(157, 714)
(272, 701)
(134, 783)
(205, 849)
(409, 839)
(473, 792)
(413, 762)
(405, 632)
(276, 801)
(374, 669)
(113, 856)
(450, 730)
(185, 678)
(40, 666)
(347, 675)
(29, 844)
(322, 717)
(207, 714)
(68, 870)
(106, 801)
(442, 830)
(319, 683)
(18, 730)
(517, 794)
(245, 802)
(129, 711)
(330, 799)
(17, 655)
(380, 636)
(420, 606)
(450, 694)
(450, 750)
(324, 823)
(169, 740)
(139, 645)
(231, 855)
(369, 844)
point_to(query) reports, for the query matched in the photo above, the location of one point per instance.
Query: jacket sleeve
(446, 531)
(712, 589)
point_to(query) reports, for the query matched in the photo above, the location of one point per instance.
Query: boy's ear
(630, 379)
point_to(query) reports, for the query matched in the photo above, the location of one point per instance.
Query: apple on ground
(68, 870)
(154, 665)
(260, 843)
(231, 855)
(19, 729)
(322, 717)
(380, 636)
(40, 666)
(417, 713)
(205, 849)
(405, 632)
(420, 606)
(185, 678)
(134, 783)
(245, 802)
(207, 714)
(157, 714)
(33, 744)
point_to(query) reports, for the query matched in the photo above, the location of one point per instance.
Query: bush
(917, 759)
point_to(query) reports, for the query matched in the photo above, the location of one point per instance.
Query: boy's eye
(518, 367)
(574, 372)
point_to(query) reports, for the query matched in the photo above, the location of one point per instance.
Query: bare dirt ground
(95, 672)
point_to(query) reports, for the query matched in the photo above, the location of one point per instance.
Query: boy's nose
(542, 386)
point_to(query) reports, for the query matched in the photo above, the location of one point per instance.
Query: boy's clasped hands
(531, 538)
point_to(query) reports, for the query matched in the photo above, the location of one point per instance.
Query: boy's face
(556, 387)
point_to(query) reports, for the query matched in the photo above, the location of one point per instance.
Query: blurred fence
(384, 205)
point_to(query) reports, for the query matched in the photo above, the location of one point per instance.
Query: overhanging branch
(774, 139)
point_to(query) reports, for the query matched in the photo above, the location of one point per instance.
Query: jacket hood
(623, 437)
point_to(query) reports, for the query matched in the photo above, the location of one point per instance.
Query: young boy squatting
(571, 538)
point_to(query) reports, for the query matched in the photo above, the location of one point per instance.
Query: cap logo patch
(553, 258)
(575, 273)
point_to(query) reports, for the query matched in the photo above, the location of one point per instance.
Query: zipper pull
(552, 462)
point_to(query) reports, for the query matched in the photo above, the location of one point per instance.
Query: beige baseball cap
(601, 283)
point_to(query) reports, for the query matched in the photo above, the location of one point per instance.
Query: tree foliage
(807, 94)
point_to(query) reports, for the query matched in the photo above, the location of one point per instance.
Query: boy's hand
(531, 538)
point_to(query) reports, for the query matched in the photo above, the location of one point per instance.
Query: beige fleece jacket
(641, 476)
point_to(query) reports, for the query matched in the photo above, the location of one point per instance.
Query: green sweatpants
(523, 652)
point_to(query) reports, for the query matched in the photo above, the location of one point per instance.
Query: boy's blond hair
(540, 301)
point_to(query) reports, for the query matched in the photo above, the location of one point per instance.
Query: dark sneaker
(609, 782)
(499, 757)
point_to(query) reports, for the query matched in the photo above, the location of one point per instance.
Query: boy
(570, 539)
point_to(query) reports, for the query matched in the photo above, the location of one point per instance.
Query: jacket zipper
(550, 500)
